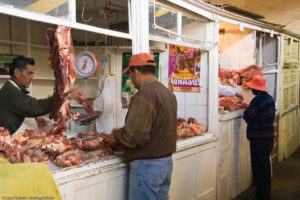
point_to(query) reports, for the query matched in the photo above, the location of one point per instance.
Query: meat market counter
(194, 164)
(226, 115)
(235, 174)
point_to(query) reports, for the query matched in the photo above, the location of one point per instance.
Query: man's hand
(115, 132)
(76, 94)
(239, 96)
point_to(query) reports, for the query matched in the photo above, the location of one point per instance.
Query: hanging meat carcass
(44, 125)
(62, 61)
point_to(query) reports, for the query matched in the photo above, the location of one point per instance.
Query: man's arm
(28, 106)
(226, 90)
(250, 112)
(140, 117)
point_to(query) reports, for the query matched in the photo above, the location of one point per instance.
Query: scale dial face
(86, 64)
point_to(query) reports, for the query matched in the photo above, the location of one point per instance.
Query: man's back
(162, 102)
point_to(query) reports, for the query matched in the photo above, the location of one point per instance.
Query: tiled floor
(285, 181)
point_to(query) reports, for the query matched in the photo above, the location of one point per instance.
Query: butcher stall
(288, 140)
(243, 53)
(74, 139)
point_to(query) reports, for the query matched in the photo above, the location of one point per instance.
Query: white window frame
(204, 44)
(71, 22)
(211, 46)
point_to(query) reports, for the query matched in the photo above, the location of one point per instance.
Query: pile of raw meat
(234, 78)
(189, 128)
(38, 146)
(232, 103)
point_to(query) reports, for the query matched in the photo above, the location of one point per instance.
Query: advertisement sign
(184, 69)
(5, 61)
(127, 87)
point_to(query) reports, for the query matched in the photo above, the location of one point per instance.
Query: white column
(72, 10)
(213, 90)
(139, 28)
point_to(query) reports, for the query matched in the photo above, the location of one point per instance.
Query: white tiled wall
(237, 48)
(189, 104)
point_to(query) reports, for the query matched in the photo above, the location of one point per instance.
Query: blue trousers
(150, 179)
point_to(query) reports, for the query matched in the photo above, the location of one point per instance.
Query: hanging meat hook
(86, 21)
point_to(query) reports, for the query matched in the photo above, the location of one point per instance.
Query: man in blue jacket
(259, 117)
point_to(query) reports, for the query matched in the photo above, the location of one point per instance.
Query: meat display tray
(86, 119)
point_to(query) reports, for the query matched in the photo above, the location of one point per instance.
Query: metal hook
(85, 20)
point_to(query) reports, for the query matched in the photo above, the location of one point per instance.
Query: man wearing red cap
(259, 117)
(149, 133)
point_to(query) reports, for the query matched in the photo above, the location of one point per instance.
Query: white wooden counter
(235, 173)
(193, 177)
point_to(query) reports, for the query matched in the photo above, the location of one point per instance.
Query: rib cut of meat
(33, 155)
(103, 142)
(56, 143)
(21, 151)
(8, 144)
(62, 61)
(73, 157)
(91, 144)
(30, 138)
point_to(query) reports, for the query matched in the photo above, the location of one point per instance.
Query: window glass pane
(112, 14)
(94, 39)
(271, 84)
(164, 18)
(57, 8)
(194, 27)
(269, 46)
(38, 36)
(10, 28)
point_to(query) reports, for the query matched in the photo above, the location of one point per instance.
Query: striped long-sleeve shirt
(259, 117)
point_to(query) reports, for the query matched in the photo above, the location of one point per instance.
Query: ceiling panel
(283, 12)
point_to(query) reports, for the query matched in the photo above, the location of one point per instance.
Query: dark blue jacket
(259, 117)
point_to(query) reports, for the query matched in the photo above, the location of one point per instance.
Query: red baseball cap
(258, 83)
(141, 59)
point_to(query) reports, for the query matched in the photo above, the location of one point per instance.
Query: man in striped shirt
(259, 117)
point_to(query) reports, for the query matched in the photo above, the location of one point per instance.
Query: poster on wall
(127, 87)
(184, 69)
(5, 61)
